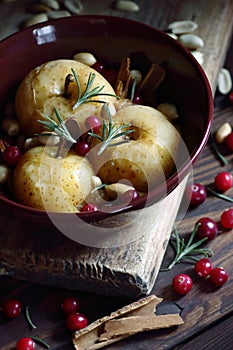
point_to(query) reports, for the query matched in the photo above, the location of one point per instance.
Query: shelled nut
(181, 27)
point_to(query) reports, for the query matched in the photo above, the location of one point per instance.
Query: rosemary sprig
(110, 132)
(28, 318)
(60, 129)
(187, 250)
(220, 195)
(88, 93)
(216, 150)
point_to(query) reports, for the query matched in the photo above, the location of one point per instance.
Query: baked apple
(54, 184)
(149, 154)
(52, 85)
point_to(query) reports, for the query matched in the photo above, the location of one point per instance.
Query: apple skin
(53, 184)
(42, 90)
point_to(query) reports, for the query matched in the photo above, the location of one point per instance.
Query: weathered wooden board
(131, 270)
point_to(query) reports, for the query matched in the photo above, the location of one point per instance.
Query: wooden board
(131, 270)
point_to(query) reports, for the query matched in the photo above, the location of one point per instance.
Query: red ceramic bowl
(185, 85)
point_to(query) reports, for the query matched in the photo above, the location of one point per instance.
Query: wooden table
(207, 311)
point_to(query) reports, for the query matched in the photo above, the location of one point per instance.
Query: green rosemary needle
(60, 129)
(218, 153)
(89, 93)
(28, 318)
(219, 195)
(187, 250)
(111, 132)
(41, 342)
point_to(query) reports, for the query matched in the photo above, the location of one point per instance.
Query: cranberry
(203, 267)
(92, 122)
(110, 75)
(182, 283)
(207, 228)
(70, 305)
(226, 218)
(11, 308)
(89, 207)
(229, 141)
(99, 67)
(12, 155)
(219, 276)
(196, 194)
(82, 148)
(231, 97)
(138, 99)
(25, 344)
(223, 181)
(76, 321)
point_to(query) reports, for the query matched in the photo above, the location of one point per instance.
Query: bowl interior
(111, 38)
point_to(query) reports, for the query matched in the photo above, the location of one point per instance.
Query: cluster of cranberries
(208, 229)
(11, 308)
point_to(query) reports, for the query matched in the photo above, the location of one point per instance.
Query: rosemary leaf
(218, 153)
(28, 318)
(40, 341)
(219, 195)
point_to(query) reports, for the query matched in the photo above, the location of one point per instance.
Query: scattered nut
(53, 4)
(30, 143)
(11, 126)
(181, 27)
(224, 81)
(199, 56)
(169, 110)
(74, 6)
(48, 139)
(4, 171)
(85, 57)
(58, 14)
(117, 189)
(191, 41)
(108, 107)
(41, 17)
(130, 6)
(223, 131)
(173, 36)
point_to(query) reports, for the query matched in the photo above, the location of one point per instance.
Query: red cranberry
(93, 122)
(226, 218)
(76, 321)
(203, 267)
(231, 97)
(110, 75)
(12, 155)
(223, 181)
(219, 276)
(11, 308)
(89, 207)
(207, 228)
(25, 344)
(82, 148)
(70, 305)
(229, 141)
(138, 99)
(196, 194)
(98, 66)
(182, 283)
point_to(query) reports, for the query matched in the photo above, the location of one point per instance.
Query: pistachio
(108, 107)
(53, 4)
(30, 143)
(169, 110)
(181, 27)
(40, 17)
(130, 6)
(191, 41)
(74, 6)
(117, 189)
(58, 14)
(223, 131)
(4, 171)
(199, 56)
(173, 36)
(11, 126)
(224, 81)
(85, 57)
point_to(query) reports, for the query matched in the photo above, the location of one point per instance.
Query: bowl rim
(171, 183)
